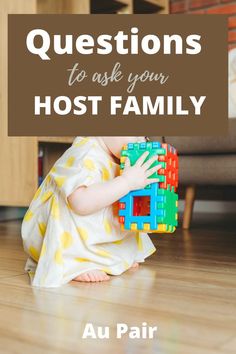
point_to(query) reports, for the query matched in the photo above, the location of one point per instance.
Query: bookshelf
(103, 6)
(19, 155)
(151, 7)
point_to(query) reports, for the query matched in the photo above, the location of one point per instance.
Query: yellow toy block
(133, 227)
(161, 227)
(146, 227)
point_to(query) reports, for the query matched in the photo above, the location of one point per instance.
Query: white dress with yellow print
(62, 244)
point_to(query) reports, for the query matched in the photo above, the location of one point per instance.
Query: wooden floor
(187, 289)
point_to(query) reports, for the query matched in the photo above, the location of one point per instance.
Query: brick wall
(227, 7)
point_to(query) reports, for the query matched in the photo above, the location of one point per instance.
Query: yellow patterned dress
(62, 244)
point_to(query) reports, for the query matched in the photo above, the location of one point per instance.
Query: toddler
(71, 229)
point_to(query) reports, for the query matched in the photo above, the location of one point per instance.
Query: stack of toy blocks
(154, 208)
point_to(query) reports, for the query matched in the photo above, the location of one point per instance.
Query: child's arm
(88, 200)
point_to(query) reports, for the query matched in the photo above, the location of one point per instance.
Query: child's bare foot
(92, 276)
(135, 265)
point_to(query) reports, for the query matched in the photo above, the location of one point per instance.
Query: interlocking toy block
(154, 208)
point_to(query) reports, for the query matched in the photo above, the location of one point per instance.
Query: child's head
(115, 143)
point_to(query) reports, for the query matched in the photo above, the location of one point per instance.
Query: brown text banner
(117, 75)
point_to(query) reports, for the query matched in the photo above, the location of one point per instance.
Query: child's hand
(137, 176)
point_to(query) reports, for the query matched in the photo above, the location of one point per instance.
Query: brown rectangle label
(117, 75)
